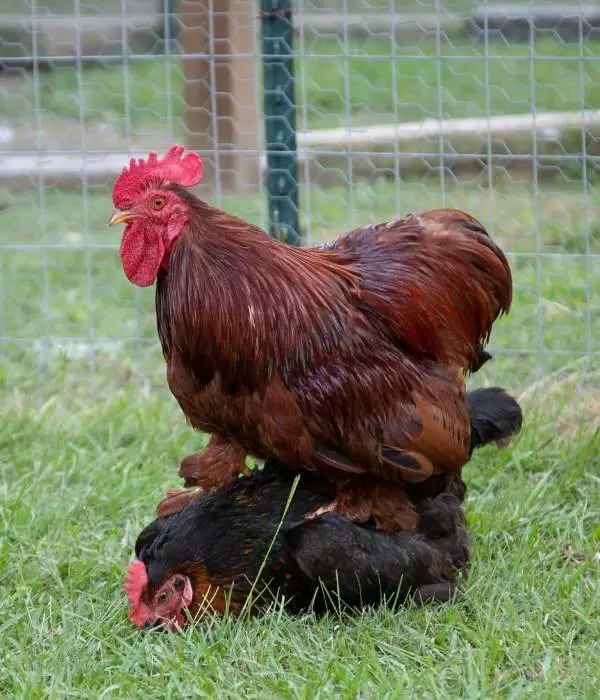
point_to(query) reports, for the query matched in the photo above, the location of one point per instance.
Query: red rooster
(349, 359)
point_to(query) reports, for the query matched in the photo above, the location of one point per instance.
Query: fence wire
(401, 106)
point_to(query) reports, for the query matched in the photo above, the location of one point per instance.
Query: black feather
(237, 534)
(494, 416)
(480, 359)
(362, 565)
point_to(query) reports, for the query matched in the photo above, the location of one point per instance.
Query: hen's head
(148, 202)
(157, 606)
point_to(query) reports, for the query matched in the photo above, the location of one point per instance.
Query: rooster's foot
(218, 464)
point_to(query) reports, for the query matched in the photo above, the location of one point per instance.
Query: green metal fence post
(280, 119)
(170, 27)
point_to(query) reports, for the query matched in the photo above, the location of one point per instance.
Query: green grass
(90, 441)
(79, 486)
(363, 86)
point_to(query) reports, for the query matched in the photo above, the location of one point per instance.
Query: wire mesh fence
(401, 106)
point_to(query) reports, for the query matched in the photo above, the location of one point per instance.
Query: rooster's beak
(121, 217)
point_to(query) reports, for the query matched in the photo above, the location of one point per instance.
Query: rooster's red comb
(173, 169)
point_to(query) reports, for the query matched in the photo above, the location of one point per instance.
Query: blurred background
(400, 106)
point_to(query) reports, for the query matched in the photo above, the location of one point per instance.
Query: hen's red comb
(173, 169)
(135, 582)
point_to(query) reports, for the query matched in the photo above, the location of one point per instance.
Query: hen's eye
(158, 202)
(162, 597)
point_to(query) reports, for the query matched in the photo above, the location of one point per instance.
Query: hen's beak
(121, 217)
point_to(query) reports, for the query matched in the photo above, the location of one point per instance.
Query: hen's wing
(364, 566)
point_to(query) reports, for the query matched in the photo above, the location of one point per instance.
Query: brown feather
(350, 357)
(176, 500)
(219, 463)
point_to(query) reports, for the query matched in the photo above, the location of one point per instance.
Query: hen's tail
(495, 417)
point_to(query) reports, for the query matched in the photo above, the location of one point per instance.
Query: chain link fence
(401, 106)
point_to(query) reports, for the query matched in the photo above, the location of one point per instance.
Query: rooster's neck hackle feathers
(238, 303)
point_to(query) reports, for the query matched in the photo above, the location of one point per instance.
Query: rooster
(494, 416)
(258, 538)
(348, 360)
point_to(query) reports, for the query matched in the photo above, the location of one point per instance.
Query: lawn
(370, 81)
(89, 441)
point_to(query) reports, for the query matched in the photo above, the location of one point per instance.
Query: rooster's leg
(363, 499)
(218, 464)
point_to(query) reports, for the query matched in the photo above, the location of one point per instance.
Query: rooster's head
(148, 197)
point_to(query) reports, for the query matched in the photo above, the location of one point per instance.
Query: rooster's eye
(158, 202)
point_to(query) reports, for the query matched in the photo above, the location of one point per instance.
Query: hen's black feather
(252, 528)
(308, 560)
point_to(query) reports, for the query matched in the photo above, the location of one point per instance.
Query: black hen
(237, 541)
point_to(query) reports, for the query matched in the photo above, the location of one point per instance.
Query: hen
(348, 360)
(240, 547)
(259, 537)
